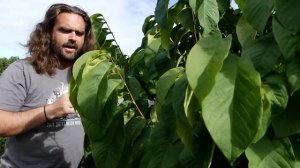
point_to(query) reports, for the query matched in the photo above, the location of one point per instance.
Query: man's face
(68, 36)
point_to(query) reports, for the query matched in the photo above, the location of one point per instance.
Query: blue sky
(125, 18)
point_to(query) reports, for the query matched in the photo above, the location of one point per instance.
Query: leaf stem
(195, 30)
(119, 73)
(127, 88)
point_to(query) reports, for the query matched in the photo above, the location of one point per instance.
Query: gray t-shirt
(55, 144)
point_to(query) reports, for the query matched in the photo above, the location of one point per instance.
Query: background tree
(4, 62)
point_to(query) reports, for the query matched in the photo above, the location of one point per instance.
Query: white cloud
(125, 18)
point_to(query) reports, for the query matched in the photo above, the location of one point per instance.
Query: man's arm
(13, 123)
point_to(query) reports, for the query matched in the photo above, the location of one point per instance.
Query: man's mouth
(70, 46)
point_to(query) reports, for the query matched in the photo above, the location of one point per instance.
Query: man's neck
(63, 64)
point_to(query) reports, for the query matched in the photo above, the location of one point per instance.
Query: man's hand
(60, 108)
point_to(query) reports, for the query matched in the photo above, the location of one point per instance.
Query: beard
(65, 58)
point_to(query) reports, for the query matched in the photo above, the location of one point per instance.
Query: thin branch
(131, 96)
(127, 88)
(193, 14)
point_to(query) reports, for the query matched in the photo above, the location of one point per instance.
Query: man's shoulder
(22, 66)
(20, 63)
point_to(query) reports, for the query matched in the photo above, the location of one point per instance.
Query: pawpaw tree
(210, 86)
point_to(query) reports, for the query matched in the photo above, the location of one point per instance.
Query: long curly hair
(42, 57)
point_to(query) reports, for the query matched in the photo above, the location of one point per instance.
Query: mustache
(70, 45)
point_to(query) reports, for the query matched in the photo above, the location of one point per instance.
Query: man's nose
(72, 36)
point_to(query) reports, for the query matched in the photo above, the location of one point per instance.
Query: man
(36, 115)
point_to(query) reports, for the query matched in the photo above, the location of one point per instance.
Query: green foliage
(209, 86)
(4, 62)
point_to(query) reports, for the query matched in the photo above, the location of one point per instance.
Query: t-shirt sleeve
(13, 87)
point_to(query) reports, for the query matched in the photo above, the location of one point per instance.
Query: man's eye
(79, 33)
(65, 30)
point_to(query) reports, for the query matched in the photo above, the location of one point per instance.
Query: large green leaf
(274, 87)
(293, 74)
(265, 119)
(134, 86)
(77, 75)
(208, 15)
(270, 153)
(240, 4)
(97, 105)
(245, 31)
(264, 53)
(195, 4)
(165, 82)
(148, 24)
(88, 89)
(134, 129)
(136, 58)
(161, 153)
(87, 69)
(145, 60)
(288, 14)
(172, 15)
(201, 154)
(163, 148)
(161, 13)
(232, 110)
(183, 129)
(287, 123)
(204, 61)
(191, 106)
(161, 17)
(107, 151)
(165, 145)
(223, 5)
(257, 13)
(174, 11)
(95, 71)
(275, 98)
(80, 63)
(136, 132)
(150, 52)
(186, 19)
(289, 43)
